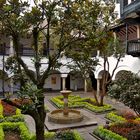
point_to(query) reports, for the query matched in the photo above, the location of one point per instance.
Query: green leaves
(126, 88)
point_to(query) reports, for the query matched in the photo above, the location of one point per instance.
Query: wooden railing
(133, 47)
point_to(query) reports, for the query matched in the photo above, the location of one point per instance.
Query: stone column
(85, 86)
(64, 76)
(11, 85)
(63, 83)
(11, 53)
(11, 50)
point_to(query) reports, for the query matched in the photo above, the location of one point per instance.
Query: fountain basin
(57, 116)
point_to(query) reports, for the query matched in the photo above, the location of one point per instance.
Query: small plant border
(85, 105)
(106, 134)
(112, 116)
(14, 118)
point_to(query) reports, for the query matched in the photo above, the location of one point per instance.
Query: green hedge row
(114, 117)
(107, 134)
(14, 118)
(25, 134)
(77, 101)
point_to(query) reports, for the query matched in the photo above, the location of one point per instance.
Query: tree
(61, 24)
(98, 35)
(126, 88)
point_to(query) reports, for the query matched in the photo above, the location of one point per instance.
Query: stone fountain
(65, 115)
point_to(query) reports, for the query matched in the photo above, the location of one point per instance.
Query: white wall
(128, 63)
(49, 83)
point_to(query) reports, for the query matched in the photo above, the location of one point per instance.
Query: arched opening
(74, 81)
(120, 73)
(93, 80)
(67, 82)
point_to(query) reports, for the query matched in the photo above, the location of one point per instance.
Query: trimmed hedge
(24, 132)
(107, 134)
(114, 117)
(14, 118)
(77, 101)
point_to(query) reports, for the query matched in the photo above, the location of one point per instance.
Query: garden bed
(125, 126)
(12, 127)
(14, 114)
(78, 102)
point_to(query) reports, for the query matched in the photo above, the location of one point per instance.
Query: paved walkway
(84, 131)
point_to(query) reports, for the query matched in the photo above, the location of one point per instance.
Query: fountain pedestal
(65, 94)
(65, 115)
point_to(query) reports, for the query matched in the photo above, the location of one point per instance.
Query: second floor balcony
(133, 48)
(131, 12)
(24, 51)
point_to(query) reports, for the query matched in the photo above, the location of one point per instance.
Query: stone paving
(85, 129)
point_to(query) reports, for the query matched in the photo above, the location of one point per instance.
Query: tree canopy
(126, 88)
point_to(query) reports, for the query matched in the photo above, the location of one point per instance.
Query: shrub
(77, 101)
(65, 135)
(129, 115)
(1, 109)
(1, 133)
(49, 135)
(107, 134)
(134, 135)
(127, 90)
(114, 117)
(20, 126)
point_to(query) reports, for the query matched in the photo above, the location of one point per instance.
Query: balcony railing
(133, 48)
(133, 7)
(24, 51)
(4, 50)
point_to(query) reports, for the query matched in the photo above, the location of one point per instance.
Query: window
(117, 1)
(125, 2)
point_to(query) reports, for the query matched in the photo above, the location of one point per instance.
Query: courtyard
(69, 45)
(86, 127)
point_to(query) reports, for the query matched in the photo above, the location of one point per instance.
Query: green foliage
(14, 118)
(24, 132)
(65, 135)
(68, 135)
(49, 135)
(114, 117)
(137, 119)
(1, 133)
(126, 88)
(1, 109)
(107, 134)
(77, 136)
(77, 101)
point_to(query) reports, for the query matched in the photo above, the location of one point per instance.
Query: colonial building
(128, 31)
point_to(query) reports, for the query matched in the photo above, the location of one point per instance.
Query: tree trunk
(103, 93)
(39, 118)
(40, 129)
(101, 100)
(95, 96)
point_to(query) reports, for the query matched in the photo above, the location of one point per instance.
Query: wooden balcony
(131, 13)
(133, 48)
